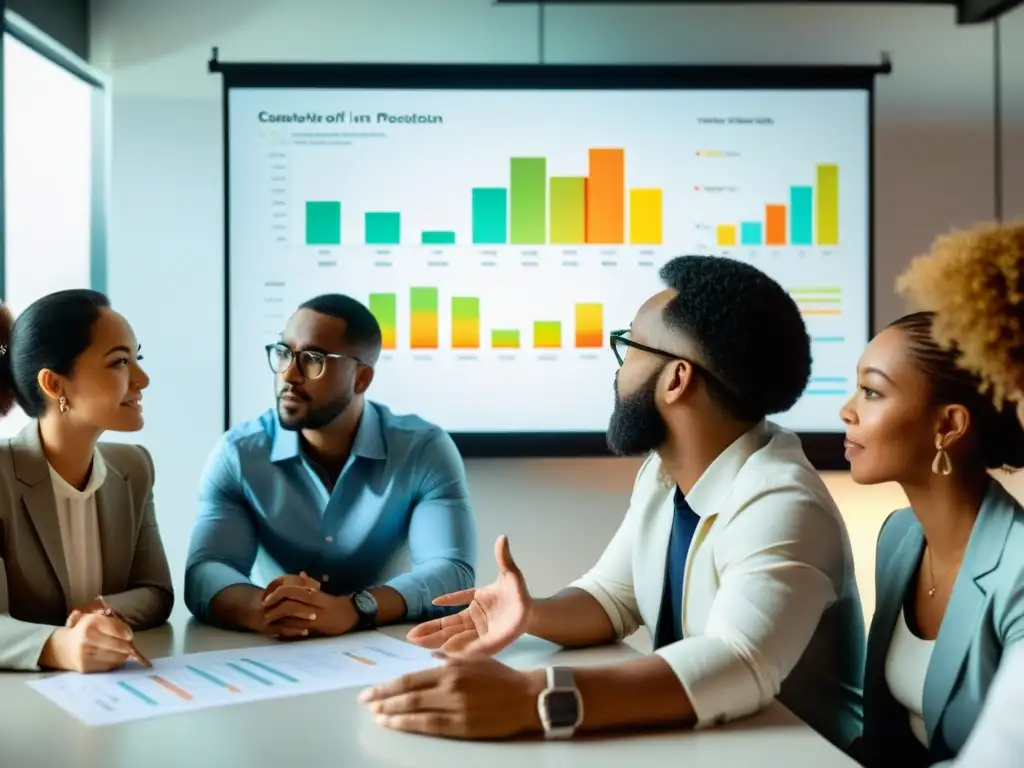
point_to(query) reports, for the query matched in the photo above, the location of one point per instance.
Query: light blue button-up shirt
(404, 484)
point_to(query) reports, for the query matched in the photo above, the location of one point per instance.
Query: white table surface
(332, 729)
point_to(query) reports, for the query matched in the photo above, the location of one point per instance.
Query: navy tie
(670, 620)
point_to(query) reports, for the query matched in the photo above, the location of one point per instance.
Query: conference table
(333, 729)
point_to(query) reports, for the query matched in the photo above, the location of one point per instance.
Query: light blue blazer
(985, 615)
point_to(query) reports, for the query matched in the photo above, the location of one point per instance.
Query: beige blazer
(33, 573)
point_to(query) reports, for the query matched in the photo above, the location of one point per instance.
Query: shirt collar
(716, 481)
(369, 442)
(97, 475)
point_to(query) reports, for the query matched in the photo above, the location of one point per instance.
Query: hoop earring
(63, 403)
(941, 465)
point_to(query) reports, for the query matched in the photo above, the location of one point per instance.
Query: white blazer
(997, 740)
(770, 600)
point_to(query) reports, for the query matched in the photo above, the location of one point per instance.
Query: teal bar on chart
(801, 226)
(750, 233)
(383, 228)
(490, 215)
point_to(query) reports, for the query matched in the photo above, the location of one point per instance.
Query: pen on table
(107, 610)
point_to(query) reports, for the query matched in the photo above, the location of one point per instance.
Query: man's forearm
(571, 618)
(390, 605)
(237, 607)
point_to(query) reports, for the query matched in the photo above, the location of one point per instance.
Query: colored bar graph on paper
(725, 234)
(465, 322)
(645, 206)
(384, 307)
(213, 679)
(750, 233)
(323, 222)
(568, 210)
(267, 668)
(504, 339)
(828, 204)
(181, 693)
(818, 300)
(606, 189)
(589, 326)
(360, 659)
(383, 227)
(490, 215)
(423, 318)
(248, 673)
(801, 223)
(137, 693)
(528, 200)
(547, 334)
(775, 224)
(437, 237)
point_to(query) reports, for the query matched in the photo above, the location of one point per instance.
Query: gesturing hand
(497, 614)
(96, 643)
(296, 607)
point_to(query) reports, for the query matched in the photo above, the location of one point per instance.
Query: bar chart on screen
(221, 678)
(500, 241)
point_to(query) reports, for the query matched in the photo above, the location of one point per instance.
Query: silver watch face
(365, 603)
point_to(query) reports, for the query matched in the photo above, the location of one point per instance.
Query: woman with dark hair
(81, 561)
(974, 280)
(949, 569)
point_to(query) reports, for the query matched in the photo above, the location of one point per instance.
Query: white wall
(934, 170)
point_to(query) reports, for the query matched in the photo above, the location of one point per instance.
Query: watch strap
(560, 684)
(365, 620)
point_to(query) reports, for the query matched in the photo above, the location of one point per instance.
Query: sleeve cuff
(621, 622)
(719, 685)
(206, 581)
(413, 591)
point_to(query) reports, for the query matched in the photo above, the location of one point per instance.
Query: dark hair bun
(6, 377)
(1002, 440)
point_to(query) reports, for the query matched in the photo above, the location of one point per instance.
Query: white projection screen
(53, 135)
(501, 221)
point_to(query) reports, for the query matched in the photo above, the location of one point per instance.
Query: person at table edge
(732, 551)
(324, 490)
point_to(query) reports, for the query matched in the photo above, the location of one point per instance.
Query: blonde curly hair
(973, 279)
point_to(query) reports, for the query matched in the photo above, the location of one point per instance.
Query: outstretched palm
(495, 615)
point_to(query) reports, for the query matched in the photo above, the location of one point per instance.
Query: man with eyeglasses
(322, 491)
(732, 552)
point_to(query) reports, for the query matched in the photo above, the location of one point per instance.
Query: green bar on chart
(528, 204)
(437, 237)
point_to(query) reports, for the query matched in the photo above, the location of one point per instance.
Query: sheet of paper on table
(218, 678)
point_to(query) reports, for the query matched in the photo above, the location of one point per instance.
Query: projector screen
(499, 234)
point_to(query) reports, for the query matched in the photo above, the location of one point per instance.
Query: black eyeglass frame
(296, 357)
(723, 390)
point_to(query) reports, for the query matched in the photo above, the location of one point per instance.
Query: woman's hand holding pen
(95, 643)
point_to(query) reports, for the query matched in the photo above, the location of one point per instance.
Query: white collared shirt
(770, 601)
(80, 532)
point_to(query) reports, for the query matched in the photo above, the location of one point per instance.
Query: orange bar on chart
(775, 224)
(605, 194)
(589, 326)
(423, 318)
(167, 684)
(360, 659)
(465, 322)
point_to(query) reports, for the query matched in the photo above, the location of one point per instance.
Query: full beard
(636, 428)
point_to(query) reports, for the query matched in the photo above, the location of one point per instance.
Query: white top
(80, 532)
(771, 555)
(997, 740)
(906, 666)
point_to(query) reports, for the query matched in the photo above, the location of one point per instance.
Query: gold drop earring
(941, 465)
(63, 403)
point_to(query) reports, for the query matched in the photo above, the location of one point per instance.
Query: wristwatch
(366, 609)
(560, 704)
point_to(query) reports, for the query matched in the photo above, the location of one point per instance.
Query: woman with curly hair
(973, 280)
